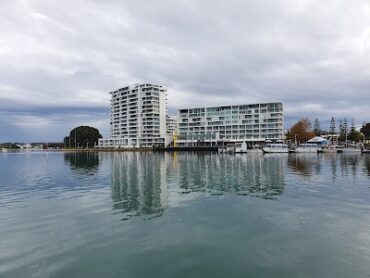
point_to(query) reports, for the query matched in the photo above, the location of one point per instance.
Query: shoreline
(109, 150)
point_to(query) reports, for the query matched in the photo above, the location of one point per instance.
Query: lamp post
(295, 139)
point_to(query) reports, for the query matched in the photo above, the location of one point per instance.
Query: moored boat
(221, 149)
(276, 148)
(330, 149)
(351, 150)
(241, 147)
(255, 150)
(227, 149)
(307, 148)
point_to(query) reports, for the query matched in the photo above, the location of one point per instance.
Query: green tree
(67, 142)
(82, 137)
(343, 130)
(317, 127)
(342, 135)
(354, 134)
(365, 129)
(332, 127)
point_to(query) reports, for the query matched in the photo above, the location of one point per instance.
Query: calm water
(184, 215)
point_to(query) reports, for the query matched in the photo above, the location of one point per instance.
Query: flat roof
(232, 105)
(127, 87)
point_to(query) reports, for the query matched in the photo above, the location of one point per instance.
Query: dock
(187, 149)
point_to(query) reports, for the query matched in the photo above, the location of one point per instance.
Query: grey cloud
(312, 55)
(50, 126)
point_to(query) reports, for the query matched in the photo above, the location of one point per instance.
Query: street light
(295, 139)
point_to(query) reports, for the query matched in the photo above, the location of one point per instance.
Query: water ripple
(68, 215)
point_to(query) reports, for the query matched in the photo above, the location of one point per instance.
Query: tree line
(303, 130)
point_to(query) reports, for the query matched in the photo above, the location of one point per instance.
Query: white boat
(4, 150)
(276, 148)
(255, 150)
(330, 149)
(230, 149)
(351, 150)
(227, 149)
(241, 147)
(307, 148)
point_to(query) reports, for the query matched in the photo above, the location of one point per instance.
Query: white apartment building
(172, 126)
(250, 123)
(138, 117)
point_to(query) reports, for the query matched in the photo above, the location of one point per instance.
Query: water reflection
(367, 163)
(349, 164)
(83, 162)
(142, 182)
(261, 176)
(56, 221)
(139, 184)
(305, 164)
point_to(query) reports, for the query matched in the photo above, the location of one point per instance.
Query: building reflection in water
(255, 175)
(143, 183)
(304, 164)
(139, 184)
(367, 163)
(82, 162)
(349, 164)
(308, 165)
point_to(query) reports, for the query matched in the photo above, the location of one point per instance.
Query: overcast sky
(59, 59)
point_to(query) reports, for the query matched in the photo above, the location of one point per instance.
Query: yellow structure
(175, 139)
